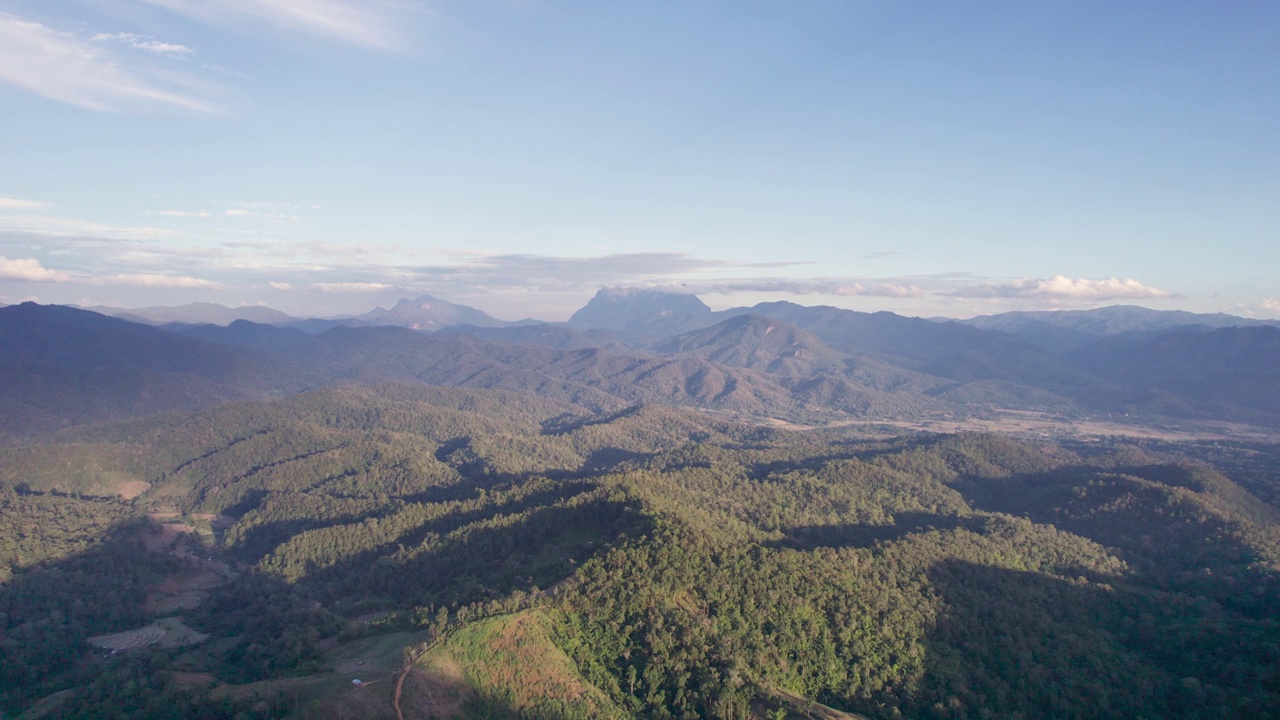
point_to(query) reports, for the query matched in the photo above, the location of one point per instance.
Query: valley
(1031, 424)
(476, 528)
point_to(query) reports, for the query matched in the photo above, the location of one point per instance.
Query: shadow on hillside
(1168, 533)
(861, 450)
(262, 539)
(809, 537)
(481, 556)
(566, 424)
(1015, 644)
(609, 459)
(442, 695)
(496, 706)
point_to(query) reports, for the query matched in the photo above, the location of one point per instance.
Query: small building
(356, 682)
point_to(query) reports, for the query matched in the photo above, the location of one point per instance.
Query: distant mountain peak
(634, 308)
(426, 313)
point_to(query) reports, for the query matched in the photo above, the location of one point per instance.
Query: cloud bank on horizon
(324, 155)
(526, 275)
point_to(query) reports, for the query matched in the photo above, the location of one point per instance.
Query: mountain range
(1069, 329)
(64, 366)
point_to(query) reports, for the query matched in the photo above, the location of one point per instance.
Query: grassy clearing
(502, 667)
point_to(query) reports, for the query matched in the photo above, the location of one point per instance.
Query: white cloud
(72, 227)
(182, 213)
(1060, 287)
(16, 204)
(279, 285)
(1271, 305)
(60, 66)
(545, 271)
(351, 287)
(139, 42)
(155, 280)
(28, 270)
(236, 212)
(367, 23)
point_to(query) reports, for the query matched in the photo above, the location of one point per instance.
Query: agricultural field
(168, 632)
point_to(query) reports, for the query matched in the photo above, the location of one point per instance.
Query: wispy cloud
(155, 280)
(29, 270)
(1062, 288)
(822, 286)
(574, 273)
(366, 23)
(16, 204)
(352, 287)
(73, 227)
(279, 285)
(139, 42)
(879, 254)
(59, 66)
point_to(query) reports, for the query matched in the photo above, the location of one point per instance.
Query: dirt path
(400, 688)
(811, 708)
(404, 673)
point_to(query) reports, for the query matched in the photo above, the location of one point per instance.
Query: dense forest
(679, 564)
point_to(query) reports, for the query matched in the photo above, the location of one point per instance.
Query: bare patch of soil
(130, 489)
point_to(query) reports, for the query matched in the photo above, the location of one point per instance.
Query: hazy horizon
(303, 313)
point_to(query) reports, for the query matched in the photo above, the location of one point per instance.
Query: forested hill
(542, 560)
(60, 366)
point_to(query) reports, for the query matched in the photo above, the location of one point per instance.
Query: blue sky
(326, 156)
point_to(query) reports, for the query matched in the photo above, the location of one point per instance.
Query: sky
(324, 157)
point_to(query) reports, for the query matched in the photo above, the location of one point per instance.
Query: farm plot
(203, 581)
(129, 639)
(169, 632)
